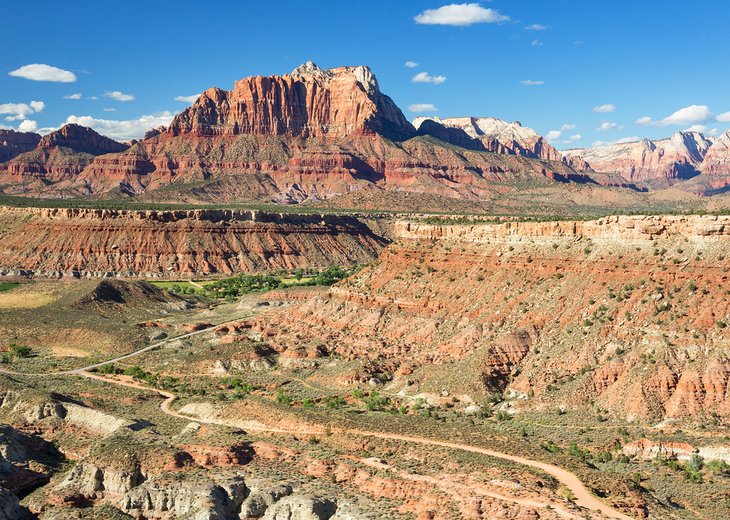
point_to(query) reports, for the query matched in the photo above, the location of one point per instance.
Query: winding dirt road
(583, 496)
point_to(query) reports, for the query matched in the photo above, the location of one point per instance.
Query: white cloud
(723, 118)
(27, 126)
(411, 64)
(687, 116)
(124, 129)
(536, 43)
(187, 99)
(531, 82)
(631, 139)
(552, 135)
(606, 126)
(536, 27)
(421, 107)
(696, 128)
(605, 109)
(109, 109)
(20, 111)
(573, 138)
(43, 72)
(425, 77)
(713, 132)
(691, 115)
(460, 15)
(119, 96)
(73, 96)
(568, 127)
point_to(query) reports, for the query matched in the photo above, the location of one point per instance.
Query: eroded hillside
(626, 315)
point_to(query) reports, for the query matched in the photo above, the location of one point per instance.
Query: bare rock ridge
(61, 154)
(309, 102)
(677, 158)
(489, 133)
(81, 139)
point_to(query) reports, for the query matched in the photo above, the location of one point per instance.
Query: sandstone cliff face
(309, 102)
(81, 139)
(679, 157)
(80, 242)
(627, 312)
(14, 143)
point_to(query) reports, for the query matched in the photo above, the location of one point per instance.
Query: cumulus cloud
(421, 107)
(187, 99)
(691, 115)
(119, 96)
(713, 132)
(573, 138)
(531, 82)
(77, 95)
(27, 126)
(411, 64)
(43, 72)
(425, 77)
(109, 109)
(605, 109)
(552, 135)
(567, 127)
(536, 43)
(606, 126)
(623, 140)
(123, 129)
(723, 118)
(460, 15)
(536, 27)
(20, 111)
(696, 128)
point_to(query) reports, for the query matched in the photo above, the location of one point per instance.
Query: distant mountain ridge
(317, 134)
(683, 156)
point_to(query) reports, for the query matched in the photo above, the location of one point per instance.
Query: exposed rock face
(79, 242)
(494, 135)
(309, 102)
(679, 157)
(10, 508)
(161, 499)
(62, 154)
(81, 139)
(530, 307)
(14, 143)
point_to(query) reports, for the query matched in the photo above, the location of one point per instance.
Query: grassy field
(7, 286)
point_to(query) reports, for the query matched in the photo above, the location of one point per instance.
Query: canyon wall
(95, 242)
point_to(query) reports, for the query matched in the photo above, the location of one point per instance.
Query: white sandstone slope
(498, 136)
(676, 158)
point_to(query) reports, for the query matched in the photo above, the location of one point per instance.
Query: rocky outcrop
(80, 242)
(489, 133)
(161, 499)
(309, 102)
(14, 143)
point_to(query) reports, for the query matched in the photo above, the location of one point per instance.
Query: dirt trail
(583, 497)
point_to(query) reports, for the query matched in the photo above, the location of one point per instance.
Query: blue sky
(647, 59)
